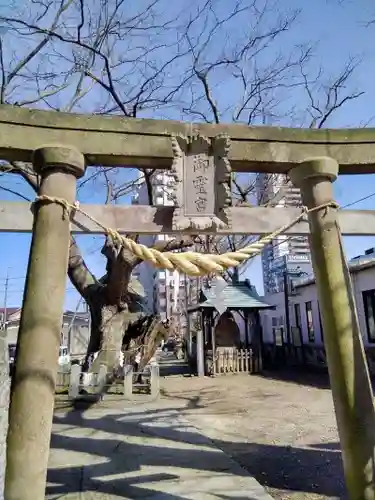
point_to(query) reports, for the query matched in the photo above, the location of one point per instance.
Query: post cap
(63, 157)
(322, 166)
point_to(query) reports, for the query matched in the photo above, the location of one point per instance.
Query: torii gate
(313, 159)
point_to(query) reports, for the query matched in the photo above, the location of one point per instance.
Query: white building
(304, 314)
(292, 250)
(74, 335)
(165, 290)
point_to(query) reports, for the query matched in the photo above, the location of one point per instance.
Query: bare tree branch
(326, 98)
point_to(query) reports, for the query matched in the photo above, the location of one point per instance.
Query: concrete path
(146, 451)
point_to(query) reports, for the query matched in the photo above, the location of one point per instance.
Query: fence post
(101, 378)
(200, 353)
(74, 382)
(154, 380)
(128, 381)
(350, 381)
(33, 383)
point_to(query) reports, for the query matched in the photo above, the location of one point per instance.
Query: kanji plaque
(202, 191)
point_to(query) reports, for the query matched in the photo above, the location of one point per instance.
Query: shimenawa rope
(189, 263)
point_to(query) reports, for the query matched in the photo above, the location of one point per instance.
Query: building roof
(355, 265)
(9, 311)
(236, 295)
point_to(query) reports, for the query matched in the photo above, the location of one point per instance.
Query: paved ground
(282, 432)
(146, 451)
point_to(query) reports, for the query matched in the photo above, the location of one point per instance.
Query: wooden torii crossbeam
(136, 142)
(108, 141)
(17, 217)
(201, 157)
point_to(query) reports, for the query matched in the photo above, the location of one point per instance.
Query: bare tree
(209, 61)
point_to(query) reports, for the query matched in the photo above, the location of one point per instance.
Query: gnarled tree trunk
(115, 302)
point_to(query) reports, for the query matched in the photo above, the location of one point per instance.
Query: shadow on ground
(116, 458)
(318, 379)
(317, 471)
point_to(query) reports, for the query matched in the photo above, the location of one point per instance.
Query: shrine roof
(237, 295)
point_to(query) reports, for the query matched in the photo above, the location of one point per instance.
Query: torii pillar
(33, 385)
(348, 371)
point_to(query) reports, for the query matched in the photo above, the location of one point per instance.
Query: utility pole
(287, 315)
(188, 322)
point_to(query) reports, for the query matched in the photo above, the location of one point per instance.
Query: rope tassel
(189, 263)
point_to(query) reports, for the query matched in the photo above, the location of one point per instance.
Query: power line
(15, 278)
(358, 201)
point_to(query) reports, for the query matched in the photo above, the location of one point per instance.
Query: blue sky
(338, 32)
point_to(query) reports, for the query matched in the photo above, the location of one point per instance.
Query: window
(63, 351)
(309, 321)
(369, 305)
(296, 331)
(277, 331)
(297, 314)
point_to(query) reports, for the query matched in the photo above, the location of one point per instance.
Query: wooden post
(257, 351)
(154, 380)
(74, 381)
(101, 379)
(213, 342)
(33, 384)
(200, 351)
(246, 322)
(128, 382)
(350, 381)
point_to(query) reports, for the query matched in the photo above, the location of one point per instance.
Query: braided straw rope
(189, 263)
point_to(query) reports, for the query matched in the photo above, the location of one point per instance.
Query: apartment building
(165, 290)
(306, 330)
(277, 191)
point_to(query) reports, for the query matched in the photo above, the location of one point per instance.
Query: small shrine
(226, 335)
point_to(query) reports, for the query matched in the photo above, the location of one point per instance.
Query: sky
(338, 32)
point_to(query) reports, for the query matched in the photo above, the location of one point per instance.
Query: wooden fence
(125, 384)
(232, 360)
(63, 380)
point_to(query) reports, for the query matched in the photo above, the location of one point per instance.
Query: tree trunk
(108, 326)
(115, 329)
